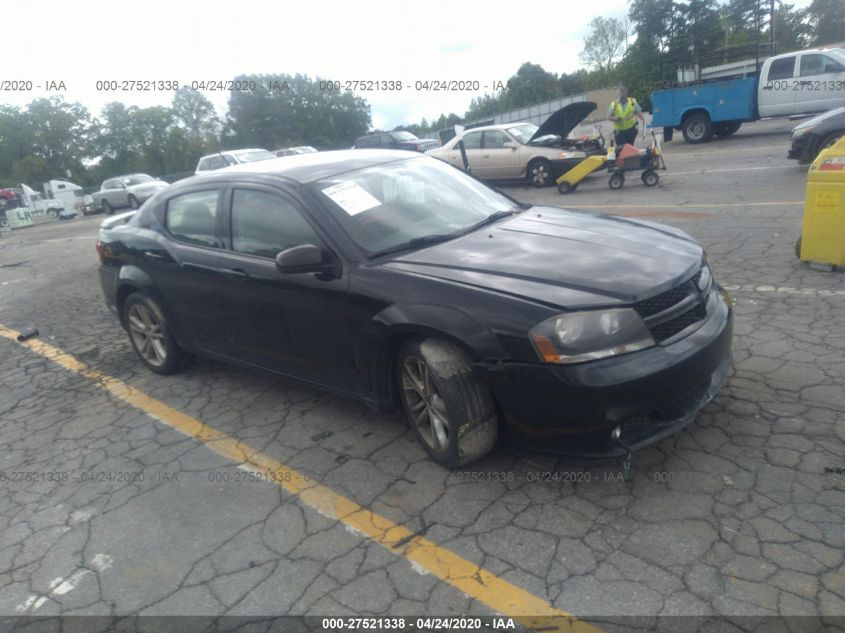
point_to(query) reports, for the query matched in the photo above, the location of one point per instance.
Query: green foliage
(603, 44)
(826, 20)
(293, 110)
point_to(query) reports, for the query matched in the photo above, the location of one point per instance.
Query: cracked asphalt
(110, 509)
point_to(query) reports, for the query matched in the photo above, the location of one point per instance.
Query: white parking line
(821, 292)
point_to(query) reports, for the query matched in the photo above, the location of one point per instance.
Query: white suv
(231, 157)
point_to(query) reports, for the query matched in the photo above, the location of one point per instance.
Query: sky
(80, 43)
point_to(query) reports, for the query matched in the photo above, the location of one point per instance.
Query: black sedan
(396, 279)
(813, 135)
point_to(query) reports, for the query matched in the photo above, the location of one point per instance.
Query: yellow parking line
(476, 582)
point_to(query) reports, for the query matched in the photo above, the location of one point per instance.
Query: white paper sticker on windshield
(351, 197)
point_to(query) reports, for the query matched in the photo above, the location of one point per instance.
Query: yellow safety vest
(628, 114)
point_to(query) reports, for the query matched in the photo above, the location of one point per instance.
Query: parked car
(218, 160)
(399, 280)
(395, 140)
(126, 191)
(292, 151)
(812, 136)
(511, 151)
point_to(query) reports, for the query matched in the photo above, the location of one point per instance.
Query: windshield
(253, 155)
(388, 206)
(523, 132)
(403, 136)
(136, 179)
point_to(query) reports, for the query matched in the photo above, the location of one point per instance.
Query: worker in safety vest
(624, 113)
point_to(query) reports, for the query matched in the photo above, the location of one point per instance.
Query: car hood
(564, 258)
(828, 117)
(564, 120)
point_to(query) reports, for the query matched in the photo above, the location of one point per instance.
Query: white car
(130, 191)
(511, 151)
(218, 160)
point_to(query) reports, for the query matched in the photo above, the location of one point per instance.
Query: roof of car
(313, 166)
(232, 152)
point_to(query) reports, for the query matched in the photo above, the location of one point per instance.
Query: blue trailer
(787, 85)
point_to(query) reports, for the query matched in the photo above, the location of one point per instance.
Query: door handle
(235, 273)
(153, 255)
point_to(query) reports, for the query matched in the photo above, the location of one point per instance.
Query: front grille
(664, 314)
(668, 329)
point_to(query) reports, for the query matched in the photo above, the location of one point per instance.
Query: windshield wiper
(417, 242)
(490, 219)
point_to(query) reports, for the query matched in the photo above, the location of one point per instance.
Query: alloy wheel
(425, 403)
(147, 334)
(539, 174)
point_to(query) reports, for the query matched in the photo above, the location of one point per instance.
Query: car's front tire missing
(150, 335)
(446, 403)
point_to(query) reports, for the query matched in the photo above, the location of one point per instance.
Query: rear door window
(192, 217)
(782, 68)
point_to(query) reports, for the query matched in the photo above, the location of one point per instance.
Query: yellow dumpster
(822, 240)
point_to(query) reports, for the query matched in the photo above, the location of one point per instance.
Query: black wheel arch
(132, 279)
(396, 325)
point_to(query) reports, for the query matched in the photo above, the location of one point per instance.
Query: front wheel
(150, 335)
(616, 181)
(564, 187)
(540, 172)
(650, 178)
(133, 202)
(697, 129)
(107, 208)
(447, 405)
(827, 142)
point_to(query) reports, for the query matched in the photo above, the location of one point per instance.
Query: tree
(195, 114)
(827, 21)
(293, 110)
(652, 21)
(603, 43)
(531, 84)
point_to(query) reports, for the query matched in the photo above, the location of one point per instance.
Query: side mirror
(834, 68)
(509, 144)
(305, 258)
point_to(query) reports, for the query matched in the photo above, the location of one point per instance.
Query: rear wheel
(650, 178)
(150, 335)
(540, 172)
(697, 128)
(726, 129)
(616, 181)
(107, 208)
(448, 406)
(798, 248)
(668, 133)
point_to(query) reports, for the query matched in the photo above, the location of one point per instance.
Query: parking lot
(220, 491)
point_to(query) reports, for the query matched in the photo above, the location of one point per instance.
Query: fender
(388, 328)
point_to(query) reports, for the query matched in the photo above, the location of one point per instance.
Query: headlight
(583, 336)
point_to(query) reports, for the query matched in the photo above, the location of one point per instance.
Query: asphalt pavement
(225, 492)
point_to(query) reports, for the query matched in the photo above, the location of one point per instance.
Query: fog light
(616, 433)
